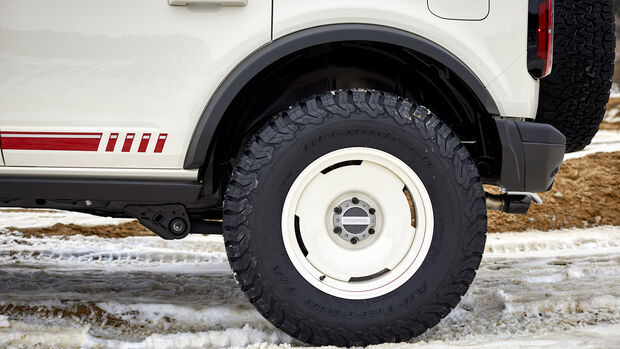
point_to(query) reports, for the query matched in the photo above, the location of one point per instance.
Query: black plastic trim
(261, 59)
(161, 219)
(531, 155)
(201, 226)
(98, 189)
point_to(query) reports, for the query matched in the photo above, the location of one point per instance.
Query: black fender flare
(212, 115)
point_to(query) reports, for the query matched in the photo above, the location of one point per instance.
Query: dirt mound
(611, 120)
(611, 126)
(122, 230)
(586, 193)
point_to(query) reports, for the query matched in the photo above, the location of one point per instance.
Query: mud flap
(531, 155)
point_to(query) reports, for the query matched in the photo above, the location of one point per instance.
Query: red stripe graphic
(128, 141)
(72, 141)
(111, 142)
(144, 142)
(161, 141)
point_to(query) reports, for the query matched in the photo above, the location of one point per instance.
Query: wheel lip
(424, 223)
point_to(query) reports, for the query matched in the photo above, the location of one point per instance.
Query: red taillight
(545, 34)
(540, 38)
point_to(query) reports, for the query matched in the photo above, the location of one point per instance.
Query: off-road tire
(573, 97)
(272, 160)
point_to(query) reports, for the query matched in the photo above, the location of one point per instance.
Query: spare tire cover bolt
(355, 200)
(354, 241)
(371, 231)
(371, 210)
(337, 230)
(337, 209)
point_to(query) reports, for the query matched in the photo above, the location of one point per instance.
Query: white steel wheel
(357, 223)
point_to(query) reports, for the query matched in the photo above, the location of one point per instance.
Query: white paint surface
(472, 10)
(118, 66)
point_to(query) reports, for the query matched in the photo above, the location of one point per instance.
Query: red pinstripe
(71, 141)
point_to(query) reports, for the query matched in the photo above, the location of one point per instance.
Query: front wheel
(354, 218)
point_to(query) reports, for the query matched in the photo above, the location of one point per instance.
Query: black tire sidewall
(448, 199)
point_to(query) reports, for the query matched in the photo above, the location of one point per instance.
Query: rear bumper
(531, 155)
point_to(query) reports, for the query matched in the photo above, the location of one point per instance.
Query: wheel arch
(220, 112)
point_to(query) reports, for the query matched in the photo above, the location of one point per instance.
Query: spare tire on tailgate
(574, 96)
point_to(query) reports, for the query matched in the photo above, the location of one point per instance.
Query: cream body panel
(471, 10)
(488, 47)
(514, 92)
(117, 66)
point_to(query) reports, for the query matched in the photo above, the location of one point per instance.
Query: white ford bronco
(340, 147)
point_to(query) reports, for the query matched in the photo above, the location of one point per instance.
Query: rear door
(115, 83)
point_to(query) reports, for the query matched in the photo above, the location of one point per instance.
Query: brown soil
(613, 103)
(613, 126)
(82, 312)
(586, 193)
(18, 210)
(122, 230)
(606, 125)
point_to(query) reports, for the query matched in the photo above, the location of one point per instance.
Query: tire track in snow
(76, 252)
(125, 289)
(159, 293)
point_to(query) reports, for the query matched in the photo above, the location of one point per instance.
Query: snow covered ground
(604, 141)
(533, 289)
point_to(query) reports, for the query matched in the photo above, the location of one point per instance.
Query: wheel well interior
(350, 64)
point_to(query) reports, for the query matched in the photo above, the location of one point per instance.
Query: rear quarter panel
(493, 48)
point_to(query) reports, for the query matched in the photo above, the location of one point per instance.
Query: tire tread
(312, 111)
(574, 96)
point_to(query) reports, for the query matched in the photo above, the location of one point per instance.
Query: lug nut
(371, 231)
(337, 230)
(354, 241)
(372, 210)
(337, 209)
(355, 200)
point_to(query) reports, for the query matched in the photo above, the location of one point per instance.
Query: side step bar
(118, 198)
(98, 190)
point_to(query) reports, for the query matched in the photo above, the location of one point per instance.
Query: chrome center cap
(354, 220)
